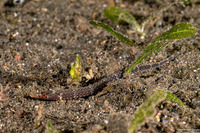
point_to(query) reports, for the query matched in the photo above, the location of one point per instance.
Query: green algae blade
(179, 31)
(119, 36)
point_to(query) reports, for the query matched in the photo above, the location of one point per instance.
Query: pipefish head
(50, 95)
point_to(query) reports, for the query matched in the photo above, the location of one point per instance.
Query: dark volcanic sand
(40, 40)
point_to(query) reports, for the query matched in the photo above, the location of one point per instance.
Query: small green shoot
(146, 110)
(119, 15)
(76, 69)
(50, 128)
(116, 34)
(157, 14)
(116, 14)
(179, 31)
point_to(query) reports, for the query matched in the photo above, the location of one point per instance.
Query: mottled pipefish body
(79, 92)
(148, 67)
(94, 88)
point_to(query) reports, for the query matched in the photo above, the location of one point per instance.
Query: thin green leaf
(116, 34)
(112, 13)
(179, 31)
(172, 97)
(153, 48)
(146, 110)
(120, 15)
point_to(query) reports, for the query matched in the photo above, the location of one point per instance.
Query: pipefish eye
(44, 95)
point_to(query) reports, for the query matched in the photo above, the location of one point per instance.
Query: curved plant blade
(113, 13)
(120, 15)
(172, 97)
(179, 31)
(116, 34)
(146, 110)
